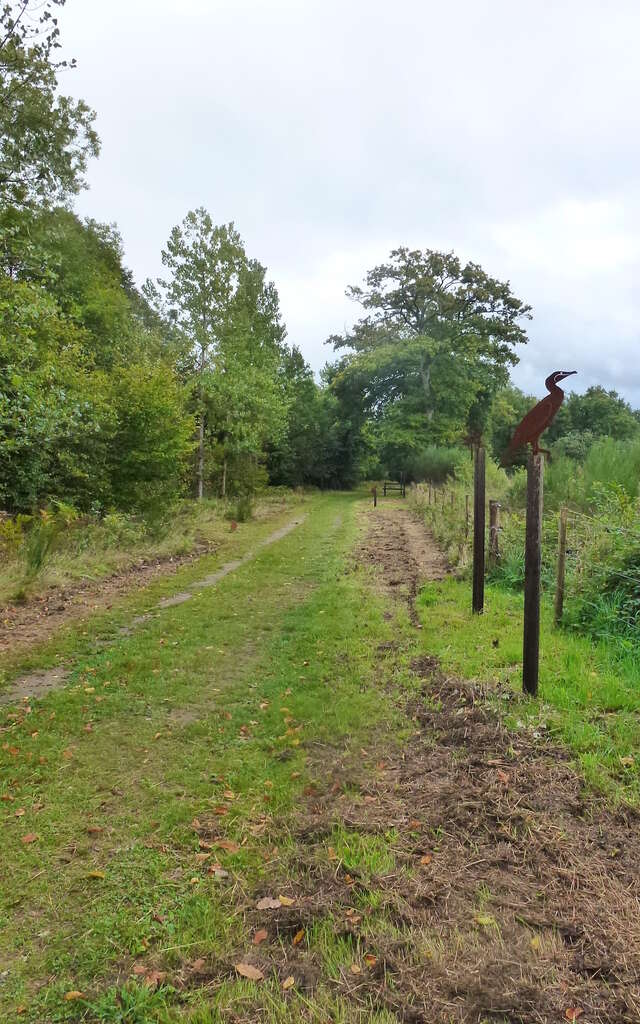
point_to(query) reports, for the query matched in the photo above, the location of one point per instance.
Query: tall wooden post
(558, 604)
(479, 484)
(494, 532)
(532, 561)
(374, 491)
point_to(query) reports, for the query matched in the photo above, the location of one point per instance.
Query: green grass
(215, 703)
(588, 697)
(92, 548)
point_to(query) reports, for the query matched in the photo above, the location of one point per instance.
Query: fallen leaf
(139, 969)
(201, 857)
(7, 798)
(331, 853)
(67, 754)
(295, 775)
(414, 823)
(217, 871)
(535, 942)
(370, 959)
(426, 859)
(288, 982)
(249, 971)
(198, 964)
(268, 903)
(286, 901)
(228, 845)
(20, 812)
(355, 969)
(220, 810)
(573, 1012)
(154, 978)
(229, 794)
(298, 937)
(96, 874)
(30, 837)
(94, 830)
(504, 778)
(70, 996)
(259, 936)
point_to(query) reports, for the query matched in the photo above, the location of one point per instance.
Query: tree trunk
(200, 470)
(425, 376)
(223, 485)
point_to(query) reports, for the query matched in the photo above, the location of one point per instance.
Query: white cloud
(333, 130)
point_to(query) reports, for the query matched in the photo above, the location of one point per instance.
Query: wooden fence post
(467, 515)
(384, 491)
(494, 532)
(374, 491)
(479, 485)
(558, 604)
(532, 560)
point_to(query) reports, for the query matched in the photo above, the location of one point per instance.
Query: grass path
(269, 804)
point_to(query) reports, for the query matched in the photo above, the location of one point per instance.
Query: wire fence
(600, 585)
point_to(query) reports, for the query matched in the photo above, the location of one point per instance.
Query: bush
(435, 464)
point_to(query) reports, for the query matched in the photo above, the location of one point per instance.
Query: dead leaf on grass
(30, 837)
(286, 901)
(426, 859)
(74, 994)
(249, 971)
(298, 937)
(268, 903)
(259, 936)
(355, 969)
(573, 1012)
(96, 874)
(228, 845)
(288, 982)
(370, 959)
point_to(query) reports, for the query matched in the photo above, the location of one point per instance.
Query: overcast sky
(331, 131)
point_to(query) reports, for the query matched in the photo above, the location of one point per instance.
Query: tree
(435, 344)
(45, 139)
(229, 317)
(600, 412)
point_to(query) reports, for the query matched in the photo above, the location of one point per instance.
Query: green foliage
(45, 139)
(436, 464)
(42, 537)
(434, 345)
(229, 318)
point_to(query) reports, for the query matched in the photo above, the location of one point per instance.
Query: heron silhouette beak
(568, 373)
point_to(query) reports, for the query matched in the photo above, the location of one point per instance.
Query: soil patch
(403, 552)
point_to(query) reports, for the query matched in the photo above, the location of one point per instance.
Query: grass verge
(588, 696)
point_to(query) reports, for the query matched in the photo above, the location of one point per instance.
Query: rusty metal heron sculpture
(534, 424)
